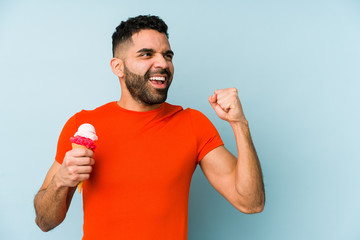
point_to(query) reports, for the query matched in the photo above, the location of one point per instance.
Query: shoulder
(167, 107)
(170, 111)
(192, 115)
(180, 112)
(196, 115)
(88, 116)
(99, 111)
(103, 108)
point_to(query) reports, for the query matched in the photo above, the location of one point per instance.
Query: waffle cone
(74, 145)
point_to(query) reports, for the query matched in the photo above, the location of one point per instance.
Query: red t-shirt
(144, 161)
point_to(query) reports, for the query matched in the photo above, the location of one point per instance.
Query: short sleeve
(64, 144)
(207, 136)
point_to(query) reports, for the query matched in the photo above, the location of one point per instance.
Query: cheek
(139, 68)
(171, 68)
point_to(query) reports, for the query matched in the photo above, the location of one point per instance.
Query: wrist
(241, 128)
(58, 183)
(243, 123)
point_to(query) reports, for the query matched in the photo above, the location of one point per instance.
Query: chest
(136, 156)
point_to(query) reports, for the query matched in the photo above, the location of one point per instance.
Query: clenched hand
(227, 106)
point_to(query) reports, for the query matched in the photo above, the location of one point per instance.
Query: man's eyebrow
(150, 50)
(146, 50)
(169, 52)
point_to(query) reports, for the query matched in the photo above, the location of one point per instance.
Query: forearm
(248, 177)
(51, 205)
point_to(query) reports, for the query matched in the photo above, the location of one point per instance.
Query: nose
(160, 62)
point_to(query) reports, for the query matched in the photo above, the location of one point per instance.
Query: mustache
(161, 71)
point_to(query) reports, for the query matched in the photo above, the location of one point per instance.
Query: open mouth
(158, 81)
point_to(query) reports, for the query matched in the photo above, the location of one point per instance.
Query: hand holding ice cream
(84, 138)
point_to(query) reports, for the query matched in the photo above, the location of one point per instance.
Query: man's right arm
(53, 200)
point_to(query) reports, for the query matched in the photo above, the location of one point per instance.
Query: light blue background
(295, 64)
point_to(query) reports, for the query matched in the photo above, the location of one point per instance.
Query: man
(136, 183)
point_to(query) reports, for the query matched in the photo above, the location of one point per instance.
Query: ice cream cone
(74, 145)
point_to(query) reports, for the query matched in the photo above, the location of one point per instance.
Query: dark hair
(134, 25)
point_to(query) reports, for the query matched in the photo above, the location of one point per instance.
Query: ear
(117, 66)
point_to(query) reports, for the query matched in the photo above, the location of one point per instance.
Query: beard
(142, 91)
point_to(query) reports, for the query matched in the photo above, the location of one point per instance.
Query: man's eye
(168, 56)
(146, 54)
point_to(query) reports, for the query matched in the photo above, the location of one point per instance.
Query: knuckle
(88, 170)
(82, 151)
(74, 178)
(79, 151)
(88, 161)
(90, 152)
(85, 161)
(67, 162)
(71, 171)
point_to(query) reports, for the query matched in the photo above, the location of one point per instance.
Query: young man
(136, 183)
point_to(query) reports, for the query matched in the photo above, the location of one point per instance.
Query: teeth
(157, 78)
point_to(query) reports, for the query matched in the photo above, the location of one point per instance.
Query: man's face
(142, 91)
(148, 67)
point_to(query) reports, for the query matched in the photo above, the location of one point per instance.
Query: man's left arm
(239, 179)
